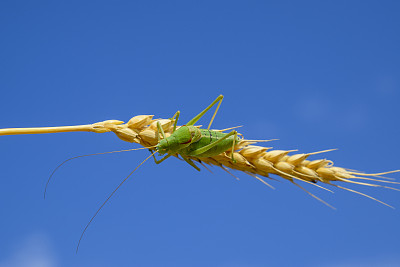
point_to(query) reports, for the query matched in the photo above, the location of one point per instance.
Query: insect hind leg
(201, 114)
(213, 144)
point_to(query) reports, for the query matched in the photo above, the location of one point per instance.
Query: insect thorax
(179, 139)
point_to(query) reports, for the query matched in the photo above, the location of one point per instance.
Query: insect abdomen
(208, 137)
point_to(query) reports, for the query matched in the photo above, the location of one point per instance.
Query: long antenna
(102, 205)
(81, 156)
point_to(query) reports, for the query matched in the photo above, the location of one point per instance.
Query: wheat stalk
(251, 159)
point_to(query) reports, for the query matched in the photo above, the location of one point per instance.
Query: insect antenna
(102, 205)
(81, 156)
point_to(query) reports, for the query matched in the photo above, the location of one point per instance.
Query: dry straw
(250, 158)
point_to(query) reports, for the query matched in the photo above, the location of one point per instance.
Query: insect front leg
(161, 130)
(162, 159)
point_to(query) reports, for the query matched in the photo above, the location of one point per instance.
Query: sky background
(314, 74)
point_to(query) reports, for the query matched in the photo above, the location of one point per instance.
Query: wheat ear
(251, 159)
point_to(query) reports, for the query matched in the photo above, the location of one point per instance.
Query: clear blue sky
(315, 74)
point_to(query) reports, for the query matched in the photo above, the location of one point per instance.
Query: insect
(215, 147)
(192, 141)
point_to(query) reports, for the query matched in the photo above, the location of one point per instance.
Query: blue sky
(315, 74)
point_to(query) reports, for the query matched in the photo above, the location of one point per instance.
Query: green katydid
(189, 140)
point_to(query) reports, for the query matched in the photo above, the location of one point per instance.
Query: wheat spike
(251, 159)
(258, 160)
